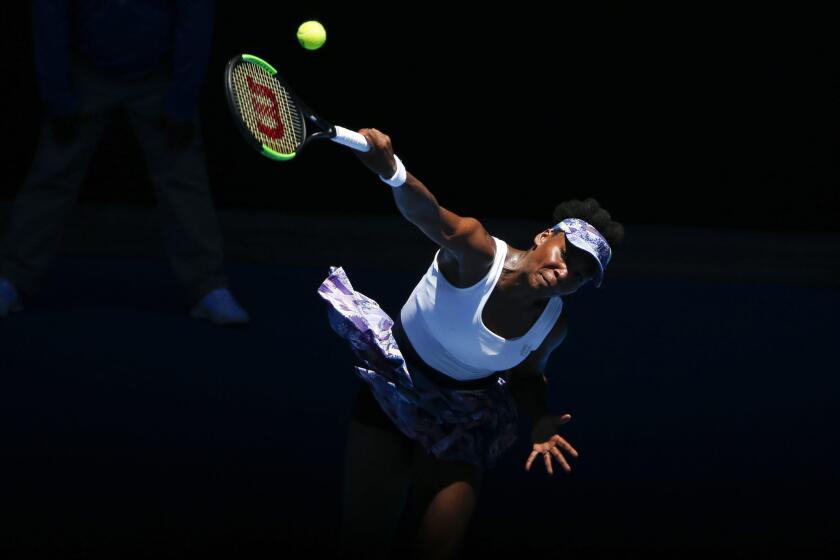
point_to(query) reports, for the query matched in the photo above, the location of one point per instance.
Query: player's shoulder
(469, 249)
(473, 237)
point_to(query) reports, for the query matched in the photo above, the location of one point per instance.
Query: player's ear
(541, 237)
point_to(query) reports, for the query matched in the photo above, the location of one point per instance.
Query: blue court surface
(704, 411)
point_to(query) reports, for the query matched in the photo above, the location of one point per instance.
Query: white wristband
(399, 177)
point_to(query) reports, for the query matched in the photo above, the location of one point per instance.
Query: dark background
(701, 378)
(677, 116)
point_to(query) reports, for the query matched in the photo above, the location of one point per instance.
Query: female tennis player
(443, 379)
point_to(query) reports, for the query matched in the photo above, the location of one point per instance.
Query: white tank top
(444, 325)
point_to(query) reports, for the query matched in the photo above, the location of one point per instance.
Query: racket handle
(350, 139)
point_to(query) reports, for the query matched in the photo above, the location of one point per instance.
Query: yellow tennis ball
(311, 35)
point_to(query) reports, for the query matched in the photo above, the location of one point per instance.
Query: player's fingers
(565, 445)
(379, 139)
(563, 419)
(561, 459)
(530, 460)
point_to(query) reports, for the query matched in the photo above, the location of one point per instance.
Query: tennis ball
(311, 35)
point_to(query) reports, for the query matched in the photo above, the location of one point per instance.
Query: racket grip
(350, 139)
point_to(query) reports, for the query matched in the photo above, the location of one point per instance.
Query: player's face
(559, 268)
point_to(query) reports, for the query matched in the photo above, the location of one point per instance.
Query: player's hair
(590, 211)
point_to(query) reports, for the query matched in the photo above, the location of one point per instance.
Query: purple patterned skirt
(474, 425)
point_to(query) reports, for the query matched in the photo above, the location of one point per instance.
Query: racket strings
(267, 109)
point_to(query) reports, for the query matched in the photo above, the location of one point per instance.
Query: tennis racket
(273, 119)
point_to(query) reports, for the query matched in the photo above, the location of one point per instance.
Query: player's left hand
(552, 448)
